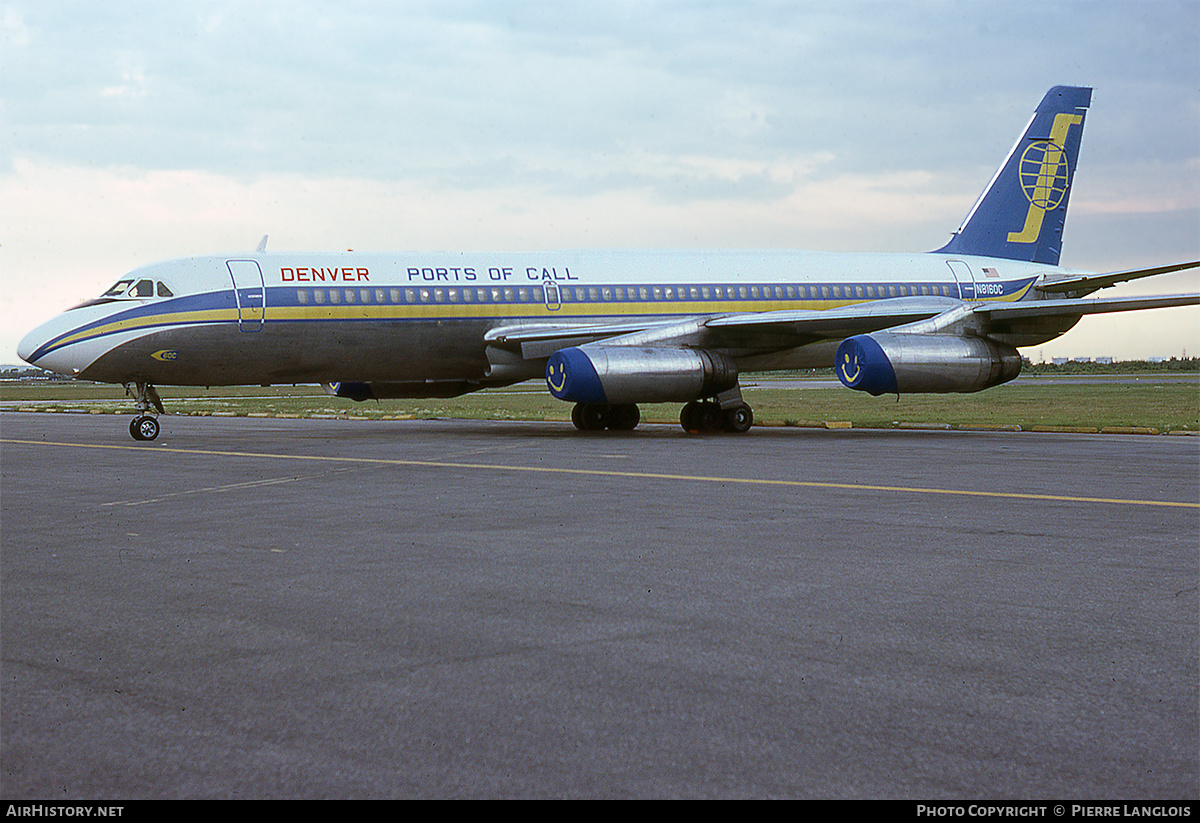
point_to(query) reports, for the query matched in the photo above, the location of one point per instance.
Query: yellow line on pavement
(694, 478)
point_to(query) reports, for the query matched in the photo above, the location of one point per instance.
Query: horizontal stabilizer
(1089, 283)
(1071, 307)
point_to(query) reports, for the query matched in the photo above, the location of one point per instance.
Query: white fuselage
(317, 317)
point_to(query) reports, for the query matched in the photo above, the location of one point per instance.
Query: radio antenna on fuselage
(262, 244)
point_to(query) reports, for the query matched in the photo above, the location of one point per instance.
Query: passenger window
(319, 295)
(395, 295)
(301, 296)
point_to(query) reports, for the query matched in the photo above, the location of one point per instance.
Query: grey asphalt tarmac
(260, 608)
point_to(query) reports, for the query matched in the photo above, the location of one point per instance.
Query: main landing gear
(702, 416)
(590, 417)
(697, 417)
(145, 425)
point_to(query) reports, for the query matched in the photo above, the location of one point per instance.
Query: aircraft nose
(32, 348)
(29, 345)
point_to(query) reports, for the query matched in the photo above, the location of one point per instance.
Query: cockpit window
(140, 288)
(118, 288)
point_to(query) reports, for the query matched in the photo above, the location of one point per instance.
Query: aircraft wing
(777, 330)
(808, 326)
(794, 328)
(543, 339)
(762, 331)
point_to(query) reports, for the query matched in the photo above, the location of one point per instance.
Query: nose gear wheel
(145, 425)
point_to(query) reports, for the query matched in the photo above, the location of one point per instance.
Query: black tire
(689, 417)
(624, 418)
(709, 417)
(144, 428)
(739, 419)
(594, 416)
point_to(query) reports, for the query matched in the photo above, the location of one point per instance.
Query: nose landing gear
(145, 425)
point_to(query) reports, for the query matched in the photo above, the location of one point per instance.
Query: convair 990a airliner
(611, 329)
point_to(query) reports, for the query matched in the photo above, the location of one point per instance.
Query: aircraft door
(964, 277)
(250, 292)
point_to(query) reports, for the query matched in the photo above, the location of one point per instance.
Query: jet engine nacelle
(630, 374)
(890, 363)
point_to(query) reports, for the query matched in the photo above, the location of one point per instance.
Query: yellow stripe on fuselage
(460, 310)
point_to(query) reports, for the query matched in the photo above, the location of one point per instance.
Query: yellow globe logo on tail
(1044, 174)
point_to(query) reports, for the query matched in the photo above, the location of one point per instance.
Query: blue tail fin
(1020, 216)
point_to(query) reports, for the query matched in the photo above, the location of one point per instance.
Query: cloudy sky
(137, 131)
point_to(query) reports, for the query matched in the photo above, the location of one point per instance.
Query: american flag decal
(991, 273)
